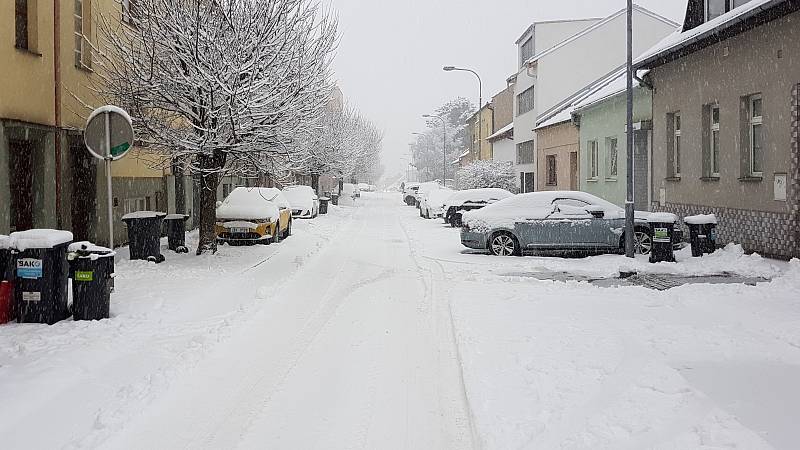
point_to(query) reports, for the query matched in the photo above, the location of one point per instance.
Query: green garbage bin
(662, 230)
(91, 269)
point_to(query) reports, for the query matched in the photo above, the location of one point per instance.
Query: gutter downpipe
(57, 103)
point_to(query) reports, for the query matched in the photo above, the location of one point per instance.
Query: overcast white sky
(389, 63)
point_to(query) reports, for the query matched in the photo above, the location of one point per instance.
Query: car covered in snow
(469, 200)
(409, 193)
(304, 201)
(431, 205)
(424, 189)
(552, 221)
(253, 215)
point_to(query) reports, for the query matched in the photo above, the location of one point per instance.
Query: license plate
(240, 230)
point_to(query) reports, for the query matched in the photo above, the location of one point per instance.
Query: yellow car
(252, 216)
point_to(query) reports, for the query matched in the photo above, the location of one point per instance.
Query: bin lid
(325, 199)
(176, 217)
(86, 249)
(143, 215)
(38, 238)
(662, 217)
(701, 219)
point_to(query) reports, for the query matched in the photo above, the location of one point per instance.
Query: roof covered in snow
(682, 42)
(499, 133)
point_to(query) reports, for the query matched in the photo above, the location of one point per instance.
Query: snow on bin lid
(143, 215)
(95, 251)
(662, 217)
(176, 217)
(701, 219)
(42, 238)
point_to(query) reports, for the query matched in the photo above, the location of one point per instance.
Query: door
(529, 185)
(20, 175)
(84, 195)
(573, 171)
(641, 170)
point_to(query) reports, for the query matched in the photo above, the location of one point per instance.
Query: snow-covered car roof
(250, 204)
(539, 205)
(428, 186)
(438, 197)
(300, 197)
(477, 195)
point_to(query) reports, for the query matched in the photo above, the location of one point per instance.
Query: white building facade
(558, 59)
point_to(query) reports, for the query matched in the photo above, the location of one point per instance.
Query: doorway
(641, 184)
(84, 187)
(573, 171)
(20, 176)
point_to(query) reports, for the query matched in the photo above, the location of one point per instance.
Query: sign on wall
(780, 187)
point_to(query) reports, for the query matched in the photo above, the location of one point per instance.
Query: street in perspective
(337, 224)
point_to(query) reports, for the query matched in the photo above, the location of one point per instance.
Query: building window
(714, 137)
(525, 153)
(133, 205)
(79, 40)
(756, 132)
(21, 24)
(525, 101)
(593, 158)
(526, 51)
(552, 171)
(675, 163)
(611, 158)
(716, 8)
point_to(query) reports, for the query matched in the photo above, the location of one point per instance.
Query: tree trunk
(341, 185)
(211, 166)
(315, 183)
(180, 189)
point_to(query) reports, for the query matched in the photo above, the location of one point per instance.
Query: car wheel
(504, 244)
(642, 242)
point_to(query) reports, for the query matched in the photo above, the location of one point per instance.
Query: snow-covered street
(374, 328)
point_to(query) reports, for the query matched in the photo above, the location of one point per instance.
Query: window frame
(529, 97)
(714, 147)
(523, 146)
(755, 121)
(552, 170)
(525, 55)
(594, 169)
(677, 125)
(78, 33)
(609, 174)
(22, 37)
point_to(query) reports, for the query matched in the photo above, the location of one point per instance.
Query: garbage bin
(144, 235)
(6, 287)
(323, 205)
(176, 232)
(41, 276)
(702, 233)
(91, 269)
(662, 228)
(334, 199)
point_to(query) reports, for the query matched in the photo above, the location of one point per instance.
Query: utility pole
(629, 211)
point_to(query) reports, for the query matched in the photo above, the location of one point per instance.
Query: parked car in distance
(424, 188)
(349, 194)
(409, 193)
(469, 200)
(431, 205)
(555, 221)
(304, 201)
(365, 187)
(253, 215)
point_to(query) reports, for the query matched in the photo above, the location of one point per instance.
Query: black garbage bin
(5, 259)
(144, 235)
(91, 269)
(702, 234)
(662, 229)
(6, 292)
(176, 232)
(334, 199)
(323, 205)
(41, 275)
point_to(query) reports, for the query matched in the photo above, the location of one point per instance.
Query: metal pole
(108, 183)
(629, 211)
(444, 152)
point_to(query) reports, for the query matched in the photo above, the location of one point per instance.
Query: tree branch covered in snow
(427, 150)
(487, 174)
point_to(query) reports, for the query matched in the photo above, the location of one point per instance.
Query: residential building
(558, 59)
(480, 147)
(725, 121)
(47, 177)
(502, 136)
(601, 119)
(557, 149)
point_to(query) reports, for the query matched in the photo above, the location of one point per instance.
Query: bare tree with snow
(221, 85)
(487, 174)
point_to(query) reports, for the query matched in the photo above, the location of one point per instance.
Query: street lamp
(444, 146)
(629, 202)
(480, 100)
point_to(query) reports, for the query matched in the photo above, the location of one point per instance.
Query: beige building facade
(558, 149)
